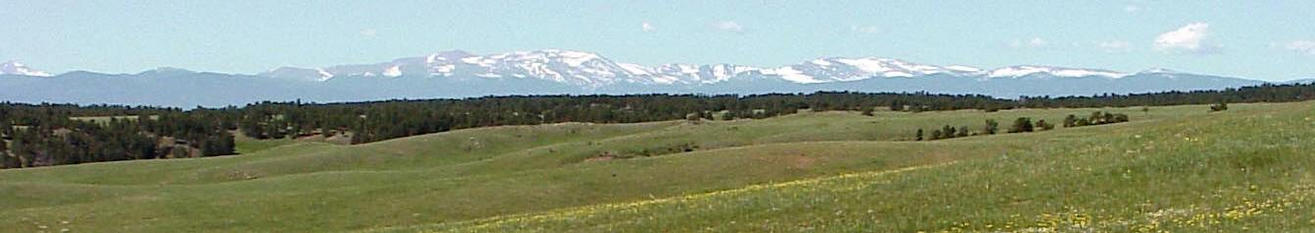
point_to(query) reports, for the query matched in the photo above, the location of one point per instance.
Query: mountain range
(454, 74)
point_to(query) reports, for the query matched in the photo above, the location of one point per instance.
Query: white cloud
(1113, 45)
(1301, 46)
(864, 29)
(730, 26)
(647, 27)
(369, 32)
(1189, 38)
(1131, 8)
(1030, 43)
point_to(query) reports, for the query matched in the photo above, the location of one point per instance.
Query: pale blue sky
(1272, 40)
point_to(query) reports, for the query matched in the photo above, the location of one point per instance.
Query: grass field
(1176, 169)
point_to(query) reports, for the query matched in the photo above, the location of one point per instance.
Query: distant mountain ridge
(593, 70)
(452, 74)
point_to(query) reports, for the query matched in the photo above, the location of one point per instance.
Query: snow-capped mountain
(15, 68)
(1023, 71)
(564, 66)
(592, 70)
(457, 73)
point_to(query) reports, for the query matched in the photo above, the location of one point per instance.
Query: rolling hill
(1176, 168)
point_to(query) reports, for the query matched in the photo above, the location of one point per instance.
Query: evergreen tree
(1022, 124)
(1221, 106)
(1070, 121)
(7, 161)
(919, 134)
(963, 131)
(728, 115)
(991, 126)
(948, 132)
(1120, 117)
(1043, 125)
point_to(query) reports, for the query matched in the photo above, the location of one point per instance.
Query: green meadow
(1170, 169)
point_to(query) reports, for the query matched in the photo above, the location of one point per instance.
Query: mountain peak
(167, 70)
(16, 68)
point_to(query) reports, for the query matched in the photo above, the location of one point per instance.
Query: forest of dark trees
(53, 134)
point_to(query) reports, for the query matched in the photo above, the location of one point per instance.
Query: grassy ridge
(1242, 171)
(481, 178)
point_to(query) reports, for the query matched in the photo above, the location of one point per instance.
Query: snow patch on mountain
(393, 71)
(963, 69)
(793, 75)
(1021, 71)
(590, 70)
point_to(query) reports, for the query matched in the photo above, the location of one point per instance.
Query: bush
(991, 127)
(1070, 121)
(1022, 124)
(1044, 125)
(1221, 106)
(1120, 117)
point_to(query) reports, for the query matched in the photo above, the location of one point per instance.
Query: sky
(1268, 40)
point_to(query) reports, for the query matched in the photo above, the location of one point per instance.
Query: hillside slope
(822, 171)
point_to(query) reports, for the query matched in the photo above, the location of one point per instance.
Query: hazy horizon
(1244, 39)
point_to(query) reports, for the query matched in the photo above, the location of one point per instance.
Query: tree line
(46, 134)
(31, 137)
(1020, 125)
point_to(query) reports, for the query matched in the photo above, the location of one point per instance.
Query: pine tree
(1070, 121)
(1221, 106)
(1044, 125)
(1022, 124)
(728, 115)
(5, 160)
(991, 126)
(919, 134)
(1120, 117)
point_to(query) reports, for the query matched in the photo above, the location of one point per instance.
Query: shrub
(1070, 121)
(1044, 125)
(1221, 106)
(948, 132)
(991, 126)
(728, 115)
(1120, 117)
(1022, 124)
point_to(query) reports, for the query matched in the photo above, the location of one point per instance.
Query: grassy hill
(1173, 168)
